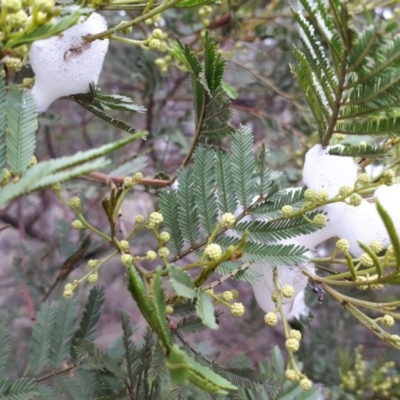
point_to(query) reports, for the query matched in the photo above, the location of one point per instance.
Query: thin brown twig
(28, 301)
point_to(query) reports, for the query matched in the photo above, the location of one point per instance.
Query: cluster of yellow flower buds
(204, 13)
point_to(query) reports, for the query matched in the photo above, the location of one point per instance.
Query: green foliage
(238, 272)
(17, 128)
(20, 389)
(348, 90)
(3, 113)
(91, 315)
(41, 338)
(273, 205)
(211, 103)
(276, 254)
(4, 345)
(195, 3)
(170, 210)
(243, 166)
(204, 181)
(98, 104)
(61, 169)
(280, 229)
(283, 389)
(370, 150)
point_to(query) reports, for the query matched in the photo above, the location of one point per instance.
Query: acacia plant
(222, 214)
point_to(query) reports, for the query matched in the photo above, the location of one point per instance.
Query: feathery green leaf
(44, 174)
(64, 328)
(99, 360)
(243, 165)
(368, 150)
(91, 315)
(226, 199)
(2, 121)
(188, 217)
(260, 253)
(4, 346)
(271, 208)
(20, 389)
(68, 387)
(195, 3)
(21, 129)
(246, 275)
(204, 180)
(192, 323)
(39, 355)
(273, 231)
(170, 210)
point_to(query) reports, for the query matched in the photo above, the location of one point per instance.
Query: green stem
(92, 228)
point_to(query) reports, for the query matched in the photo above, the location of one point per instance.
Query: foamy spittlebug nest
(287, 275)
(66, 64)
(323, 171)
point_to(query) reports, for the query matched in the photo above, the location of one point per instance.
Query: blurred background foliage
(39, 251)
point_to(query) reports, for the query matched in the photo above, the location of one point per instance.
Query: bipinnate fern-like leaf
(20, 389)
(275, 254)
(272, 231)
(214, 65)
(282, 389)
(204, 181)
(21, 119)
(266, 179)
(272, 207)
(2, 122)
(68, 388)
(353, 87)
(41, 338)
(169, 208)
(370, 150)
(64, 328)
(61, 169)
(243, 166)
(195, 3)
(237, 272)
(226, 197)
(211, 102)
(90, 316)
(99, 360)
(91, 383)
(45, 392)
(98, 104)
(188, 217)
(4, 346)
(105, 102)
(129, 347)
(240, 371)
(192, 323)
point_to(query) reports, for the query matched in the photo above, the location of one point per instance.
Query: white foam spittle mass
(287, 275)
(66, 64)
(323, 171)
(361, 223)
